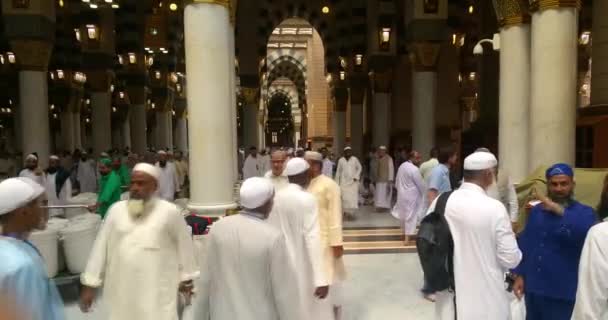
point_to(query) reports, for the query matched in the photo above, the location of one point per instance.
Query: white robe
(140, 263)
(484, 249)
(328, 168)
(168, 182)
(410, 196)
(383, 195)
(251, 168)
(248, 274)
(348, 176)
(279, 182)
(592, 293)
(64, 195)
(27, 173)
(265, 164)
(87, 176)
(295, 213)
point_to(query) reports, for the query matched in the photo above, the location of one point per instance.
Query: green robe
(110, 191)
(125, 176)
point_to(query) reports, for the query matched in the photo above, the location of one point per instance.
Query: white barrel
(47, 243)
(86, 218)
(78, 239)
(86, 199)
(58, 224)
(182, 203)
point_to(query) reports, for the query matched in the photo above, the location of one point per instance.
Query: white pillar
(232, 73)
(514, 96)
(34, 114)
(339, 131)
(424, 99)
(139, 139)
(382, 104)
(101, 121)
(67, 131)
(181, 134)
(164, 129)
(553, 86)
(125, 133)
(77, 130)
(599, 70)
(356, 129)
(206, 29)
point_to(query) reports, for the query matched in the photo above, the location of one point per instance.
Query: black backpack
(436, 248)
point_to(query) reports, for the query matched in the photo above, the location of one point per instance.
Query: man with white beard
(348, 175)
(87, 174)
(143, 255)
(58, 186)
(295, 213)
(249, 273)
(277, 173)
(32, 170)
(168, 182)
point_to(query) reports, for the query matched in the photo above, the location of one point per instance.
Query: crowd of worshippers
(281, 257)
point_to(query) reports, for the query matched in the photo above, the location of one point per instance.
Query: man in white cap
(23, 278)
(32, 170)
(385, 176)
(329, 201)
(252, 165)
(168, 182)
(87, 174)
(142, 256)
(249, 273)
(295, 213)
(277, 173)
(410, 195)
(58, 185)
(348, 175)
(484, 246)
(328, 165)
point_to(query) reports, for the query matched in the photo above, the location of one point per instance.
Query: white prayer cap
(54, 157)
(296, 166)
(18, 192)
(382, 148)
(162, 152)
(480, 161)
(313, 155)
(348, 148)
(147, 169)
(104, 155)
(255, 192)
(31, 156)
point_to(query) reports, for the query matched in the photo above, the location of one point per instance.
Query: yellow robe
(327, 193)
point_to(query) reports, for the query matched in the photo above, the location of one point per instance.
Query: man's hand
(87, 296)
(321, 292)
(549, 205)
(186, 288)
(338, 251)
(519, 287)
(93, 207)
(515, 226)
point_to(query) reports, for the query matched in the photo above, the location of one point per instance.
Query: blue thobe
(551, 247)
(23, 278)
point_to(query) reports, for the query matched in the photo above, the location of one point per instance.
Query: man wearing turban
(551, 243)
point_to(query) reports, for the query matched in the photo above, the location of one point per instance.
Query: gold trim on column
(225, 3)
(553, 4)
(512, 12)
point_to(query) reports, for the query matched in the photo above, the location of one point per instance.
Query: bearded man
(142, 256)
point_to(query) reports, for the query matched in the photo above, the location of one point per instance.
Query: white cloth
(153, 171)
(87, 176)
(426, 168)
(27, 173)
(592, 293)
(251, 168)
(295, 166)
(16, 193)
(503, 190)
(255, 192)
(348, 176)
(265, 164)
(328, 168)
(484, 246)
(64, 195)
(410, 196)
(480, 160)
(168, 183)
(279, 182)
(295, 213)
(383, 195)
(141, 262)
(248, 273)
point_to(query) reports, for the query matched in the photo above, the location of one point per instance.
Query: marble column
(599, 69)
(139, 139)
(164, 127)
(181, 134)
(207, 28)
(67, 131)
(553, 84)
(34, 104)
(76, 121)
(382, 108)
(341, 105)
(514, 89)
(250, 117)
(232, 73)
(424, 59)
(101, 121)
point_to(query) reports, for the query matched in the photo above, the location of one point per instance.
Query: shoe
(430, 297)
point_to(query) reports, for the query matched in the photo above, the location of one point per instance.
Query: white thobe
(87, 176)
(410, 196)
(168, 182)
(348, 175)
(51, 193)
(248, 274)
(27, 173)
(592, 292)
(383, 194)
(141, 261)
(264, 164)
(251, 168)
(484, 249)
(279, 182)
(328, 168)
(503, 190)
(295, 213)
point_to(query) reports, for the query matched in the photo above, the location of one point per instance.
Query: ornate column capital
(383, 81)
(512, 12)
(137, 94)
(229, 4)
(251, 96)
(341, 96)
(540, 5)
(425, 55)
(99, 80)
(32, 55)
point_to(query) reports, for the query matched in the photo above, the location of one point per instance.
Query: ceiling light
(325, 9)
(115, 6)
(471, 9)
(173, 7)
(93, 6)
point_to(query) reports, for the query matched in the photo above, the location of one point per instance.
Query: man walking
(348, 176)
(276, 174)
(385, 175)
(410, 195)
(58, 186)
